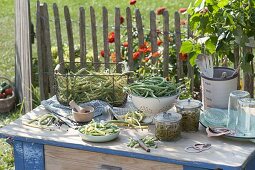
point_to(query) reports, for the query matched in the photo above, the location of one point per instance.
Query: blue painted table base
(30, 156)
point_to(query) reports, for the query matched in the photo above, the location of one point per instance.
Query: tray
(238, 136)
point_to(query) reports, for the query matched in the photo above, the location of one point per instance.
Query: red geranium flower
(159, 42)
(155, 54)
(144, 48)
(182, 10)
(183, 56)
(122, 19)
(146, 59)
(111, 37)
(160, 10)
(136, 55)
(125, 44)
(132, 2)
(102, 53)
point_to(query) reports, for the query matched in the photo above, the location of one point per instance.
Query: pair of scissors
(198, 147)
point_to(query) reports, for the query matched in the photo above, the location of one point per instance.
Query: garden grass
(7, 39)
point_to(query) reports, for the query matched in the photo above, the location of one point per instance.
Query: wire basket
(7, 104)
(84, 84)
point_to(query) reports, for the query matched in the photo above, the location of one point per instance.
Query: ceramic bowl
(85, 115)
(106, 138)
(152, 105)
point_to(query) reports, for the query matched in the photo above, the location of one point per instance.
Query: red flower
(160, 10)
(146, 59)
(132, 2)
(102, 53)
(125, 44)
(136, 55)
(155, 54)
(183, 56)
(159, 42)
(111, 37)
(182, 10)
(113, 57)
(144, 48)
(122, 19)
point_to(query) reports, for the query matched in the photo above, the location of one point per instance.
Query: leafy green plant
(218, 25)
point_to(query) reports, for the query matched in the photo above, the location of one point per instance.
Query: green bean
(152, 87)
(99, 129)
(91, 86)
(149, 141)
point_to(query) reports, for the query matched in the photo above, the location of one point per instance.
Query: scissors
(198, 147)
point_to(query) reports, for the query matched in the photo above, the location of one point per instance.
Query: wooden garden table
(38, 149)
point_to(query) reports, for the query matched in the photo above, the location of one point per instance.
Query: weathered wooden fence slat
(130, 39)
(189, 66)
(248, 79)
(94, 37)
(178, 44)
(82, 31)
(140, 32)
(236, 63)
(43, 82)
(69, 30)
(58, 33)
(49, 61)
(105, 38)
(166, 43)
(117, 40)
(153, 35)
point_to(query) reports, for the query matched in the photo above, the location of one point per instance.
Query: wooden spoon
(75, 106)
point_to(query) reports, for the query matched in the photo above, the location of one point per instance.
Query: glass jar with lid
(190, 111)
(167, 126)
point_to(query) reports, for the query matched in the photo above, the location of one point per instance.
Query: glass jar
(233, 107)
(190, 111)
(167, 126)
(246, 117)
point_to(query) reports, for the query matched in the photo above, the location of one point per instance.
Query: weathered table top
(224, 152)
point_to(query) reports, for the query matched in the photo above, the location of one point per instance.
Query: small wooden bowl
(86, 114)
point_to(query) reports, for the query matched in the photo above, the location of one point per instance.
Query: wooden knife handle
(143, 145)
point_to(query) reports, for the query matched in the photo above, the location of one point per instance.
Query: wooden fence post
(23, 48)
(117, 39)
(248, 79)
(179, 63)
(69, 29)
(166, 44)
(105, 37)
(130, 39)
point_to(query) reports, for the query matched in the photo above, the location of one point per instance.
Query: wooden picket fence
(45, 62)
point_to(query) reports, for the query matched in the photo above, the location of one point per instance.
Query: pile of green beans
(43, 121)
(85, 86)
(149, 141)
(131, 119)
(153, 87)
(99, 129)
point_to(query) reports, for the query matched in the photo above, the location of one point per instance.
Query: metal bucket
(216, 90)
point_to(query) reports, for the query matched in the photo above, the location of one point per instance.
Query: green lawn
(7, 35)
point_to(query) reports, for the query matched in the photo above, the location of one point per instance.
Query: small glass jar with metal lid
(190, 111)
(167, 126)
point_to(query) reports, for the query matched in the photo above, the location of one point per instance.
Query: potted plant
(220, 25)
